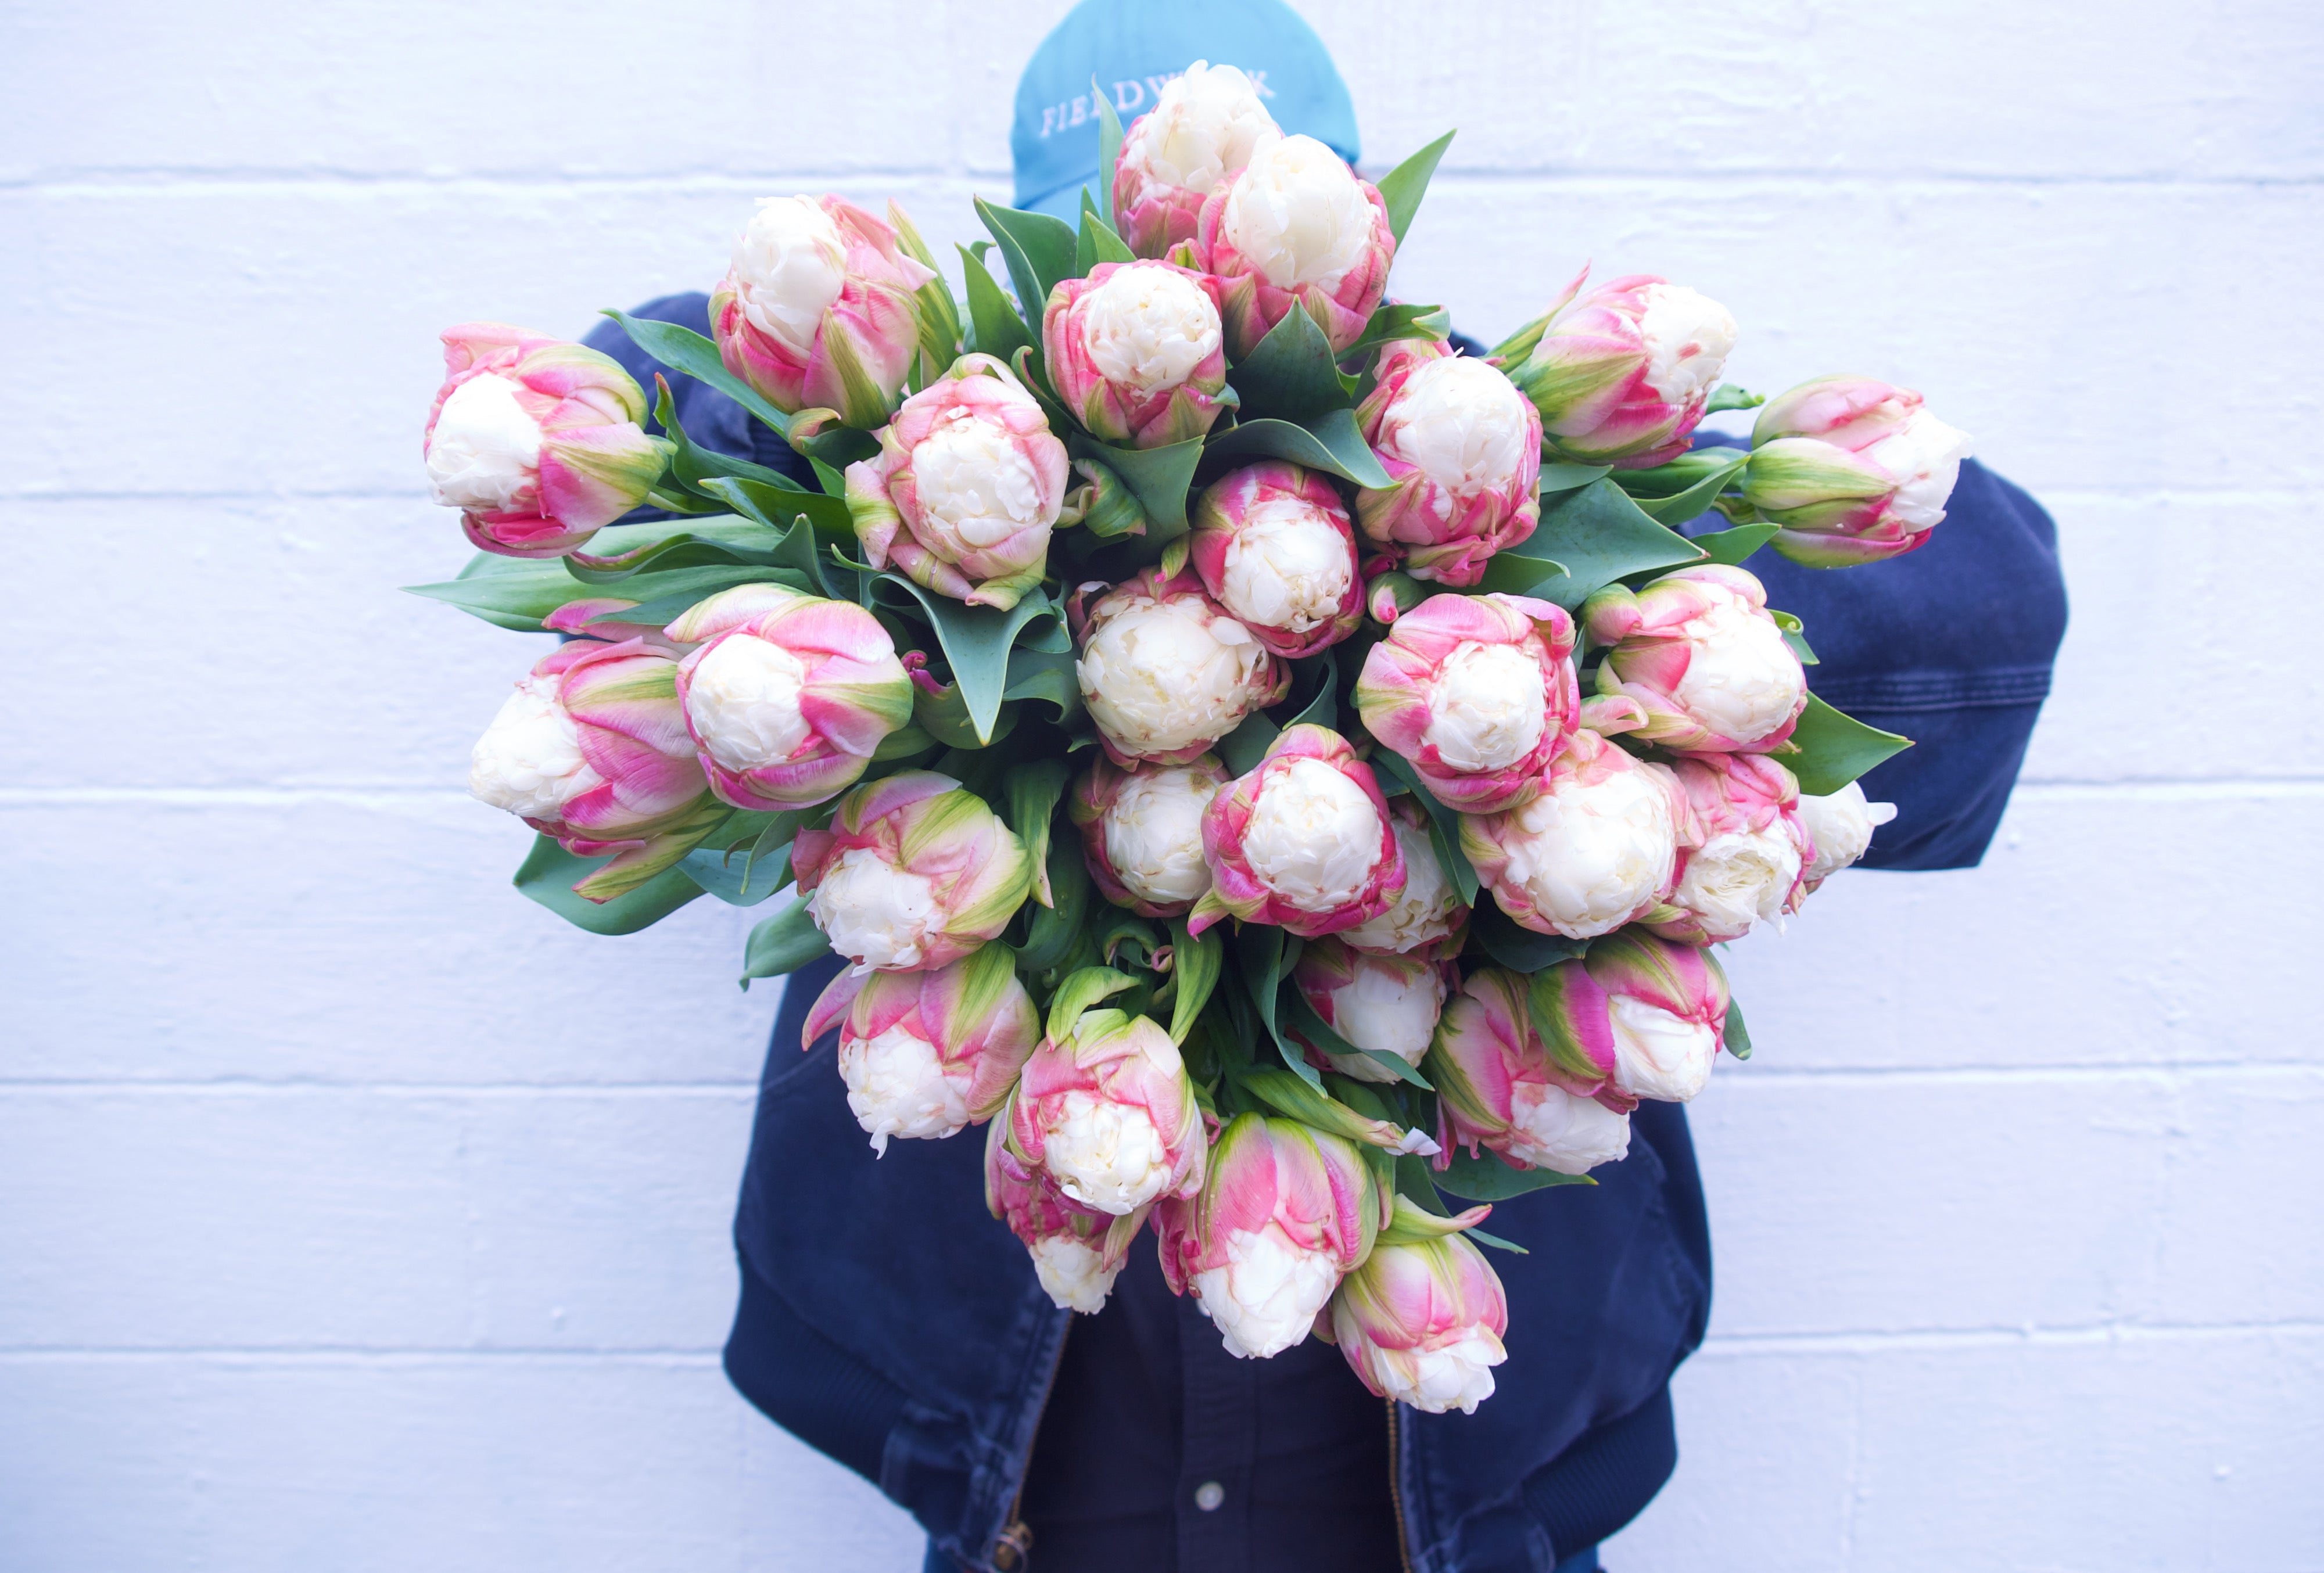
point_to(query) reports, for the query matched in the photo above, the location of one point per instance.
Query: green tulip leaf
(1829, 749)
(1243, 747)
(1402, 187)
(1292, 373)
(1696, 499)
(727, 875)
(1731, 546)
(509, 593)
(1159, 478)
(1728, 396)
(1588, 538)
(1483, 1177)
(1328, 442)
(1196, 964)
(1109, 149)
(1557, 475)
(1000, 330)
(1096, 242)
(549, 872)
(1398, 321)
(1049, 676)
(682, 349)
(783, 943)
(1032, 790)
(1052, 931)
(1038, 250)
(976, 642)
(1517, 947)
(692, 466)
(661, 598)
(1735, 1034)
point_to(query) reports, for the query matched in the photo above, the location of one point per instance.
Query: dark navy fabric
(888, 1321)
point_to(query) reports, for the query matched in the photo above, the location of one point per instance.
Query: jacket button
(1209, 1495)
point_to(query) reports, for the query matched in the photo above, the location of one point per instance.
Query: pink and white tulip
(1463, 448)
(967, 485)
(1165, 672)
(1477, 692)
(1498, 1087)
(1295, 228)
(1855, 470)
(786, 696)
(1595, 848)
(1699, 653)
(816, 310)
(1285, 1213)
(1425, 921)
(1107, 1112)
(914, 873)
(925, 1053)
(1303, 841)
(1621, 375)
(592, 750)
(1382, 1005)
(1647, 1015)
(1077, 1251)
(539, 443)
(1421, 1321)
(1747, 852)
(1274, 546)
(1200, 132)
(1142, 832)
(1136, 352)
(1840, 825)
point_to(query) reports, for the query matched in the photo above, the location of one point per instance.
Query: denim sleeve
(711, 419)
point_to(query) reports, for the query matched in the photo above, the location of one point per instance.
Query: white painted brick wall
(360, 1216)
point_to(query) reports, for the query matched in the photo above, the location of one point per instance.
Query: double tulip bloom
(786, 695)
(1422, 1319)
(1746, 850)
(1142, 832)
(1302, 841)
(914, 873)
(1136, 352)
(1295, 227)
(1107, 1111)
(539, 443)
(592, 748)
(925, 1053)
(1427, 920)
(1643, 1016)
(1854, 469)
(1077, 1251)
(1698, 652)
(1841, 826)
(1497, 1087)
(1286, 1211)
(1477, 692)
(1166, 671)
(1272, 545)
(1595, 848)
(1382, 1005)
(816, 310)
(1621, 375)
(967, 485)
(1464, 448)
(1201, 131)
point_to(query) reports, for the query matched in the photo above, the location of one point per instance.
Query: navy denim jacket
(888, 1321)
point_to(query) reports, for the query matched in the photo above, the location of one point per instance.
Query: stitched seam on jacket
(1939, 690)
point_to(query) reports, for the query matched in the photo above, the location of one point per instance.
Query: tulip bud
(539, 443)
(1594, 849)
(1142, 832)
(1272, 545)
(1744, 849)
(1855, 470)
(816, 310)
(1421, 1320)
(1295, 228)
(968, 482)
(1389, 595)
(592, 750)
(1464, 448)
(1383, 1005)
(1165, 672)
(1286, 1211)
(1200, 132)
(1698, 652)
(1477, 692)
(1427, 920)
(1645, 1014)
(925, 1053)
(786, 696)
(1302, 841)
(1497, 1086)
(1108, 1111)
(1136, 353)
(1077, 1251)
(1840, 825)
(1621, 374)
(914, 873)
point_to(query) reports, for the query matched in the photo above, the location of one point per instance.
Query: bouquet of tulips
(1281, 774)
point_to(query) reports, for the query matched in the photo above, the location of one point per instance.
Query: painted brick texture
(363, 1217)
